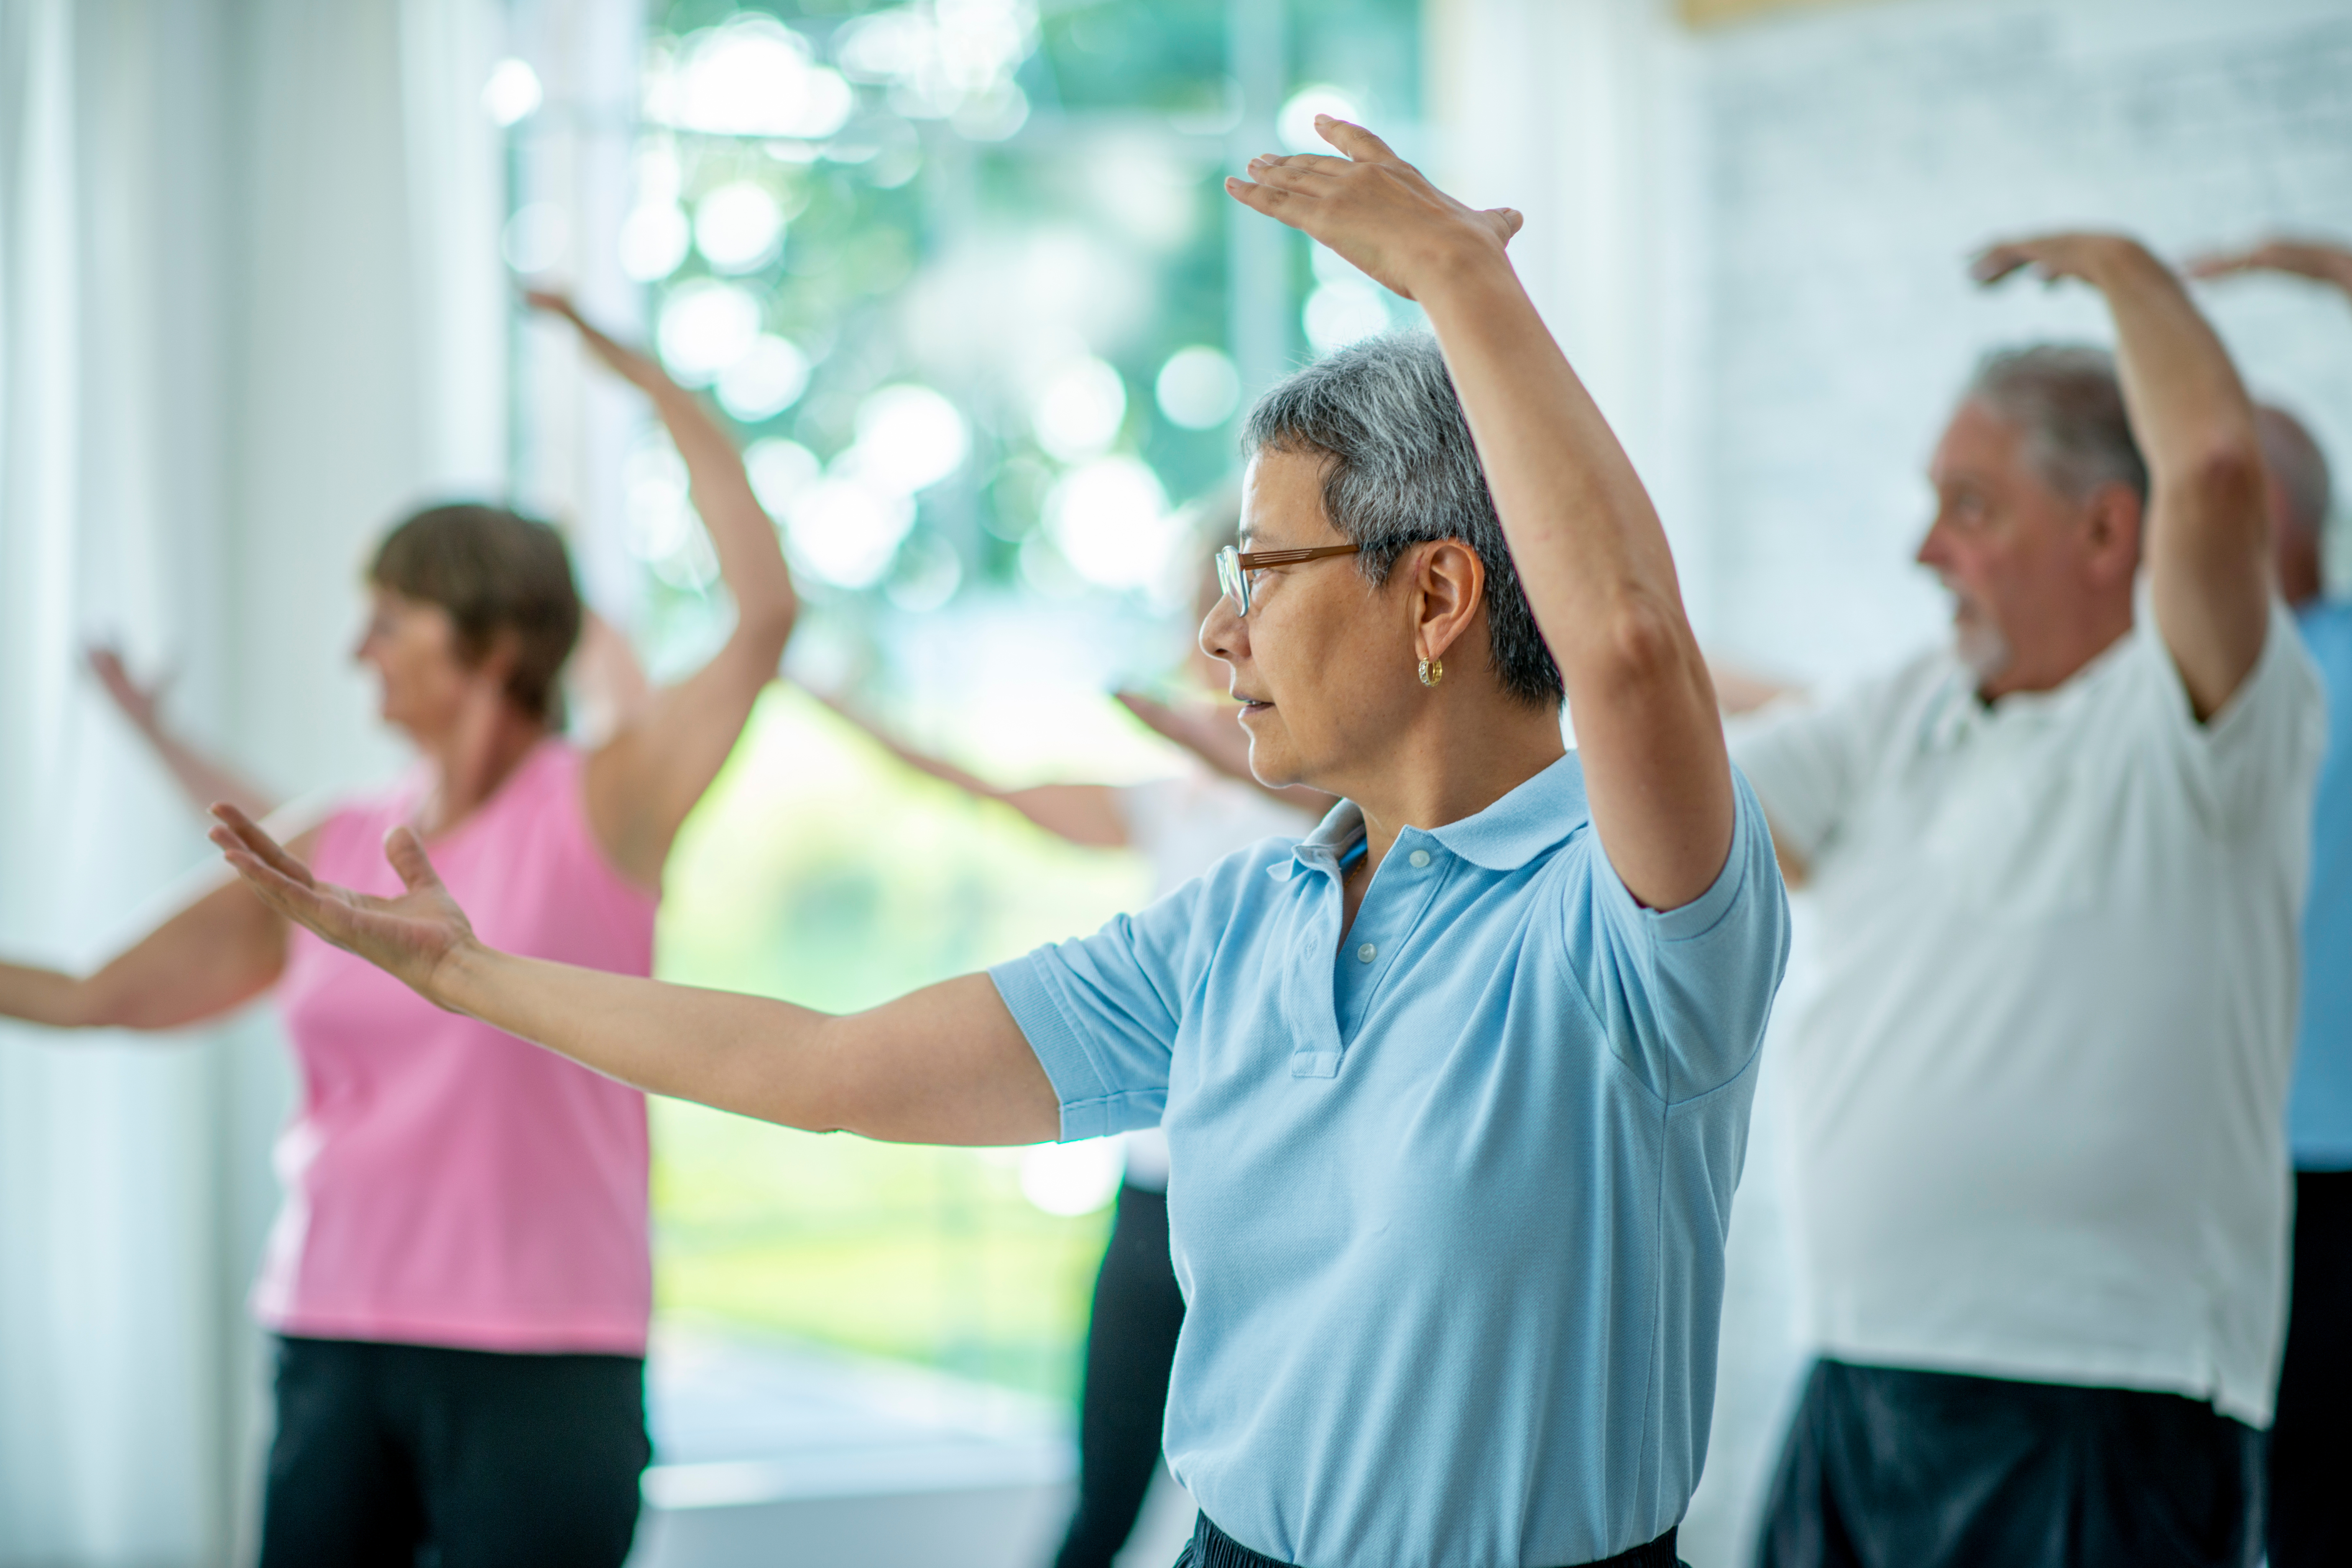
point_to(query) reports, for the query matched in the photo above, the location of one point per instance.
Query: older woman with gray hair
(1457, 1085)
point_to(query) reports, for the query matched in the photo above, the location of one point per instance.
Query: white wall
(1853, 158)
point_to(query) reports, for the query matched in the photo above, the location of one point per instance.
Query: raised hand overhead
(2206, 540)
(2321, 260)
(1584, 538)
(668, 747)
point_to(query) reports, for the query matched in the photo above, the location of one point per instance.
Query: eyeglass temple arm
(1255, 559)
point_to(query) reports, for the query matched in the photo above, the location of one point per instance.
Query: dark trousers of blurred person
(1130, 1342)
(2311, 1438)
(1894, 1467)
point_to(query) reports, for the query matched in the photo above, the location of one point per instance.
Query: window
(963, 277)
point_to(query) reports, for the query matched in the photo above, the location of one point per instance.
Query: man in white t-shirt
(2042, 1191)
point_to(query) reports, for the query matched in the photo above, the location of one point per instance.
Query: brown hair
(494, 572)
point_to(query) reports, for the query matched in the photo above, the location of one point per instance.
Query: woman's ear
(497, 662)
(1449, 586)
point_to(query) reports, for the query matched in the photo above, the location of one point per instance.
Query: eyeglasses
(1234, 569)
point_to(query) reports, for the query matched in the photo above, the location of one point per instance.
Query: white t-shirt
(1183, 826)
(2037, 1094)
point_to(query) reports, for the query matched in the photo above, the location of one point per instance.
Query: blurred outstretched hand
(411, 937)
(1370, 207)
(139, 704)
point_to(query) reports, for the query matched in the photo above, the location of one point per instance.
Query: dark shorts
(1887, 1468)
(1212, 1548)
(481, 1456)
(2311, 1443)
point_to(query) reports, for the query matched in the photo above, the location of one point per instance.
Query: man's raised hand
(1372, 207)
(412, 938)
(2050, 257)
(2321, 260)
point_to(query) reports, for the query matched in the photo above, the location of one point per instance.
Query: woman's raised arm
(201, 779)
(945, 1065)
(1583, 535)
(643, 781)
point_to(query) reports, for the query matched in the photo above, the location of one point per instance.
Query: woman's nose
(1223, 632)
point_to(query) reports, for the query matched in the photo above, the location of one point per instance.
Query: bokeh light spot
(1198, 388)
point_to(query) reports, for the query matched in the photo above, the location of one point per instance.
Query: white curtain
(224, 228)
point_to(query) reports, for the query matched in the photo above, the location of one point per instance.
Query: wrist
(1465, 257)
(461, 976)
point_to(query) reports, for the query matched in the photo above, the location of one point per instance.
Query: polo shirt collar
(1537, 816)
(1959, 713)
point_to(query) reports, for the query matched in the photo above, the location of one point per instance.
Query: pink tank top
(447, 1183)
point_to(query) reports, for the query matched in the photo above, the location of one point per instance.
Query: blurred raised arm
(1582, 532)
(1210, 731)
(201, 779)
(219, 950)
(1082, 814)
(2320, 260)
(642, 782)
(945, 1065)
(2206, 539)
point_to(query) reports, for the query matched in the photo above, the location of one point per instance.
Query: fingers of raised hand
(1271, 200)
(1998, 262)
(1354, 140)
(1508, 221)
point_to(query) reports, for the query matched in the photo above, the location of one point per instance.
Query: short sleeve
(2249, 760)
(1102, 1012)
(1807, 761)
(1685, 994)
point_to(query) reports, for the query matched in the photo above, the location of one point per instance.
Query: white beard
(1979, 643)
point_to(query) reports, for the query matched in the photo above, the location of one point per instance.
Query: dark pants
(408, 1456)
(2311, 1443)
(1886, 1467)
(1212, 1548)
(1130, 1340)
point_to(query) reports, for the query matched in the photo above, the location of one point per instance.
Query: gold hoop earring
(1433, 671)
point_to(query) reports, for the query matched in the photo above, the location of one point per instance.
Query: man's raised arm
(1583, 535)
(2205, 541)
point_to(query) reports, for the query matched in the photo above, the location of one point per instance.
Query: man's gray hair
(2066, 399)
(1399, 469)
(2297, 466)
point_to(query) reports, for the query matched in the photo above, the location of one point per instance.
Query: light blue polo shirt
(2319, 1110)
(1449, 1194)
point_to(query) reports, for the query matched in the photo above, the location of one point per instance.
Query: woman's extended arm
(945, 1065)
(642, 782)
(216, 953)
(1082, 814)
(201, 779)
(1583, 535)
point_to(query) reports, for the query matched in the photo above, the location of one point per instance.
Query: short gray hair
(2066, 399)
(1399, 469)
(2297, 466)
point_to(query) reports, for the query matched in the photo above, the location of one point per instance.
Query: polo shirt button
(1367, 952)
(1419, 857)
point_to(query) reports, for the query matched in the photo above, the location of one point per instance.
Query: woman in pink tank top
(460, 1277)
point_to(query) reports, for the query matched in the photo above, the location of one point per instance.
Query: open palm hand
(1372, 207)
(412, 937)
